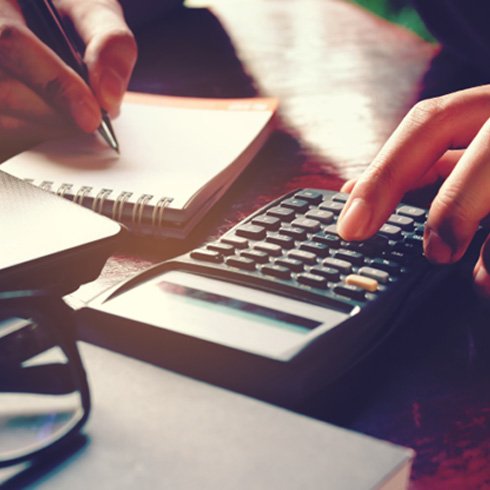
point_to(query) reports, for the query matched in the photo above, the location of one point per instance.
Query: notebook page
(171, 148)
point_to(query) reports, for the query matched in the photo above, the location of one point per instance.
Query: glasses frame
(61, 322)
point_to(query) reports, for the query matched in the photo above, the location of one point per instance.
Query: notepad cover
(48, 242)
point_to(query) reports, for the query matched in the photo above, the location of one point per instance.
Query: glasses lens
(40, 400)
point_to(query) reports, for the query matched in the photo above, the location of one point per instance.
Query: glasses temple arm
(48, 379)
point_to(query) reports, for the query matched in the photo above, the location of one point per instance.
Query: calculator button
(303, 255)
(236, 241)
(340, 197)
(355, 258)
(353, 292)
(268, 222)
(327, 272)
(412, 212)
(386, 265)
(342, 265)
(299, 205)
(276, 270)
(241, 263)
(378, 275)
(293, 232)
(391, 231)
(355, 246)
(222, 248)
(309, 225)
(366, 249)
(312, 280)
(377, 242)
(317, 248)
(416, 240)
(207, 255)
(331, 229)
(256, 255)
(285, 214)
(254, 232)
(332, 241)
(269, 248)
(321, 215)
(404, 222)
(334, 207)
(399, 257)
(406, 248)
(312, 196)
(284, 241)
(366, 283)
(293, 264)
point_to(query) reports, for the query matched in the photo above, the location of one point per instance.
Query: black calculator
(280, 306)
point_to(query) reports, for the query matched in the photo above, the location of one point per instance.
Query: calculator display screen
(237, 316)
(240, 307)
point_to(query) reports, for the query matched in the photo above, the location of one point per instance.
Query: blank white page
(170, 146)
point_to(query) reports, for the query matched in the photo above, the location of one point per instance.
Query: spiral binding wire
(47, 185)
(67, 191)
(98, 204)
(63, 189)
(139, 207)
(159, 210)
(118, 206)
(81, 194)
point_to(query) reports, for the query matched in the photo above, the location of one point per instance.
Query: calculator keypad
(295, 241)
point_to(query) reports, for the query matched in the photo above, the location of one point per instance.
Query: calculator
(279, 307)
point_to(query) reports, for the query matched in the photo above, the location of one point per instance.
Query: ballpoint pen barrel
(45, 21)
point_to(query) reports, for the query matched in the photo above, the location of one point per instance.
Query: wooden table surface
(344, 79)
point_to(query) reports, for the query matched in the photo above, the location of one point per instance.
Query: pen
(44, 19)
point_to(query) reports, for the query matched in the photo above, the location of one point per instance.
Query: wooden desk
(344, 79)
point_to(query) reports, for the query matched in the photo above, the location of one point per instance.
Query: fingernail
(86, 114)
(112, 88)
(355, 220)
(436, 249)
(348, 185)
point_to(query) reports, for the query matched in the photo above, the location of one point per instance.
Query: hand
(40, 96)
(446, 137)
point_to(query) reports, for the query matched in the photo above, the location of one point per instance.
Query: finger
(441, 169)
(10, 11)
(111, 50)
(26, 58)
(18, 134)
(18, 100)
(461, 203)
(481, 273)
(348, 186)
(425, 134)
(26, 132)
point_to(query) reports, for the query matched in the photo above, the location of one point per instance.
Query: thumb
(111, 49)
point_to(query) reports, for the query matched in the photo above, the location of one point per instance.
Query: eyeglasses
(44, 395)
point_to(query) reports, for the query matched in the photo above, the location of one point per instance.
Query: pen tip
(108, 134)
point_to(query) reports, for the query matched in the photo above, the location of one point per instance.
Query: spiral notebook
(178, 157)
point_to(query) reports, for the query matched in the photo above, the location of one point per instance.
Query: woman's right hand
(447, 137)
(40, 96)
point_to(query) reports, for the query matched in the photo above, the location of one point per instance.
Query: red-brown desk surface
(344, 79)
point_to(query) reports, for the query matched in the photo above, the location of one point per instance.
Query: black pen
(44, 20)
